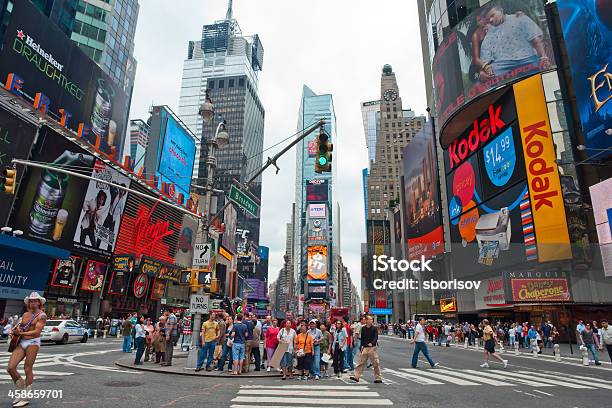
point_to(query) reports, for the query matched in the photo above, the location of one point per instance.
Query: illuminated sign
(448, 305)
(225, 253)
(542, 171)
(316, 210)
(140, 285)
(317, 262)
(540, 290)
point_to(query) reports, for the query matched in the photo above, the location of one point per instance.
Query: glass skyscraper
(312, 108)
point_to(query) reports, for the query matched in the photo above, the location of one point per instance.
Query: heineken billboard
(39, 62)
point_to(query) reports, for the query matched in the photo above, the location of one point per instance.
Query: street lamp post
(220, 140)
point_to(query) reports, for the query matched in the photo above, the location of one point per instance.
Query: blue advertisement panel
(588, 39)
(22, 272)
(177, 154)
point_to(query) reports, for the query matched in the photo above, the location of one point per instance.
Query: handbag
(16, 339)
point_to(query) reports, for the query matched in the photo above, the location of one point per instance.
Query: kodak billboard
(547, 205)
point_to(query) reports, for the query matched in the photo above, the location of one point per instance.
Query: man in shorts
(490, 339)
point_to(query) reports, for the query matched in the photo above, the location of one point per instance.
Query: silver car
(63, 331)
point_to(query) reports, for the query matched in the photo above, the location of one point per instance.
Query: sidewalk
(178, 368)
(546, 352)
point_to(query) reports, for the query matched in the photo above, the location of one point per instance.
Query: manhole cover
(123, 384)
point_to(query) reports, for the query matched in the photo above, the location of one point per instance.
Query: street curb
(194, 374)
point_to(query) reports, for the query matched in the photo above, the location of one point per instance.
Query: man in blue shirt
(239, 337)
(248, 349)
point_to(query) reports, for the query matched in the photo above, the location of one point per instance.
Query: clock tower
(397, 128)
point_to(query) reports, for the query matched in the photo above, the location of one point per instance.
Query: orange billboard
(448, 305)
(317, 262)
(542, 173)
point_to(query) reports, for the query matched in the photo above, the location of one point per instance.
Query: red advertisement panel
(540, 290)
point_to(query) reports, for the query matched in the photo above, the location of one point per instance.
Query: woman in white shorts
(29, 329)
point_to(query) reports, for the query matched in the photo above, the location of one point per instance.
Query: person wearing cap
(316, 336)
(28, 331)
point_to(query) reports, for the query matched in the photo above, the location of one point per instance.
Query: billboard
(65, 272)
(602, 211)
(423, 220)
(317, 262)
(491, 294)
(378, 232)
(149, 228)
(317, 190)
(73, 88)
(101, 211)
(16, 139)
(588, 40)
(93, 278)
(499, 43)
(448, 305)
(317, 231)
(50, 203)
(176, 151)
(122, 266)
(536, 287)
(184, 249)
(317, 210)
(230, 218)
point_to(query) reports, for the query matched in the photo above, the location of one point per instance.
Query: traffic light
(7, 180)
(324, 156)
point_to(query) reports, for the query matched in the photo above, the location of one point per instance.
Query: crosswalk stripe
(479, 378)
(547, 380)
(315, 393)
(311, 387)
(501, 376)
(326, 401)
(577, 381)
(581, 377)
(411, 377)
(429, 373)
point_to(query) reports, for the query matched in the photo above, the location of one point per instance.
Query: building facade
(139, 140)
(313, 107)
(370, 113)
(535, 243)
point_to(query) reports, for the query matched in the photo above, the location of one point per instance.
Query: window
(241, 82)
(211, 84)
(230, 83)
(221, 84)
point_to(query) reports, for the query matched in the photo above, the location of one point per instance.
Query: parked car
(64, 331)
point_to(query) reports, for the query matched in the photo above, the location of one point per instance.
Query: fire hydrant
(516, 349)
(501, 348)
(585, 355)
(557, 352)
(465, 343)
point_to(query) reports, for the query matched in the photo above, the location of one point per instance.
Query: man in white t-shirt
(420, 346)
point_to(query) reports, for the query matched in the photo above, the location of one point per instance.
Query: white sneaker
(317, 377)
(505, 363)
(268, 369)
(484, 365)
(436, 365)
(19, 386)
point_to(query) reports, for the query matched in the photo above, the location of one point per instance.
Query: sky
(337, 47)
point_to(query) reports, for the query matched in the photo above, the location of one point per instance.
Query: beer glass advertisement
(499, 43)
(423, 221)
(93, 278)
(65, 272)
(43, 59)
(177, 154)
(102, 209)
(588, 39)
(16, 138)
(50, 203)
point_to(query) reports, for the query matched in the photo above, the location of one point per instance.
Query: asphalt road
(86, 375)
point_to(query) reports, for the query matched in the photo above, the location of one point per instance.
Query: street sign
(201, 255)
(199, 304)
(215, 304)
(244, 201)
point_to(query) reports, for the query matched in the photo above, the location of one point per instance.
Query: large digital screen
(317, 190)
(423, 227)
(588, 39)
(44, 60)
(602, 211)
(499, 43)
(317, 262)
(177, 154)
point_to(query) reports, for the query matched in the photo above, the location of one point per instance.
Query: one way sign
(201, 255)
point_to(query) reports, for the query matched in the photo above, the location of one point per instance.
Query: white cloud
(336, 47)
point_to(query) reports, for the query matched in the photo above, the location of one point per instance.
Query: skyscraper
(397, 127)
(139, 140)
(312, 108)
(226, 63)
(104, 30)
(370, 112)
